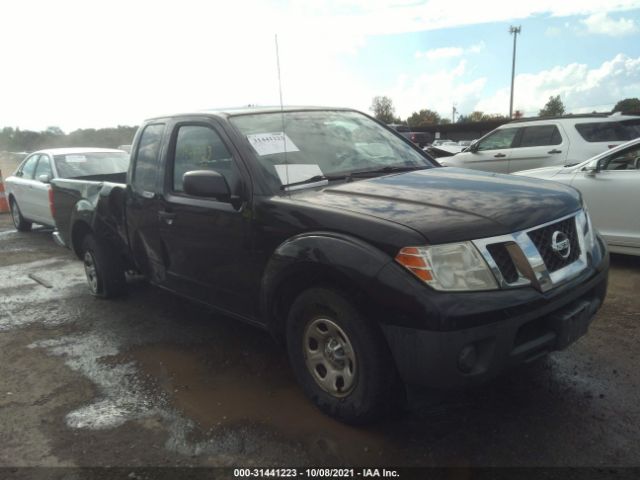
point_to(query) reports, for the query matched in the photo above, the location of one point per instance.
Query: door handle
(499, 155)
(166, 217)
(555, 150)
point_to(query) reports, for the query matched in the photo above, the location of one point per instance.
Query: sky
(81, 64)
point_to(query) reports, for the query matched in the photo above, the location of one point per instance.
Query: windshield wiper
(384, 170)
(320, 179)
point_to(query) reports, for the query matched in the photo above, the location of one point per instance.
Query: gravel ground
(152, 380)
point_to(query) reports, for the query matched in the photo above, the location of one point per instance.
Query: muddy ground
(154, 380)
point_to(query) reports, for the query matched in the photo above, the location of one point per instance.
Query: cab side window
(201, 148)
(29, 167)
(540, 136)
(44, 167)
(498, 140)
(146, 167)
(628, 159)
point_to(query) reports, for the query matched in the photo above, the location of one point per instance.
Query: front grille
(542, 239)
(504, 262)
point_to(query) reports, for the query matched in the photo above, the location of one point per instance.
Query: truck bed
(77, 198)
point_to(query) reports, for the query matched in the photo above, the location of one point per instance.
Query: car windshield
(323, 144)
(74, 165)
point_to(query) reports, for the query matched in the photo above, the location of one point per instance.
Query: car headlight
(451, 267)
(588, 232)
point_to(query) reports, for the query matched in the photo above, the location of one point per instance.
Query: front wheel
(19, 222)
(103, 268)
(340, 360)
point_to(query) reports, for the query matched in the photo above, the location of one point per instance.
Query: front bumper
(467, 349)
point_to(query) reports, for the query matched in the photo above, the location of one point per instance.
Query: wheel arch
(339, 262)
(79, 231)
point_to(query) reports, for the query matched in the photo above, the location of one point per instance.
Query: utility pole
(454, 110)
(515, 31)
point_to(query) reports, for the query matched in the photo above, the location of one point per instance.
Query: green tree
(554, 107)
(383, 110)
(477, 116)
(423, 117)
(628, 105)
(54, 131)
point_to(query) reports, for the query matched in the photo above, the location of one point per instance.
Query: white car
(28, 189)
(523, 145)
(610, 186)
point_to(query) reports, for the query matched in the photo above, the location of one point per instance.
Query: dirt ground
(153, 380)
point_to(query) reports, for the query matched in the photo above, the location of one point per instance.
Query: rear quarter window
(609, 131)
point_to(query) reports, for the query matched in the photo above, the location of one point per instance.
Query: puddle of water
(239, 391)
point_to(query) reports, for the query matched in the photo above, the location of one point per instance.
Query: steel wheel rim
(330, 357)
(90, 271)
(15, 214)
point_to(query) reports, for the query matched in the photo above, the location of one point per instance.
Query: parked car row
(524, 145)
(597, 154)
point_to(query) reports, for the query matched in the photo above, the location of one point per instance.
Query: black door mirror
(473, 148)
(206, 183)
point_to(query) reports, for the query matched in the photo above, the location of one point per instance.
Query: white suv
(527, 144)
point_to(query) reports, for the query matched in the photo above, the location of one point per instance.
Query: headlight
(452, 266)
(589, 234)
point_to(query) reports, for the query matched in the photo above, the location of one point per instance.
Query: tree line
(383, 109)
(17, 140)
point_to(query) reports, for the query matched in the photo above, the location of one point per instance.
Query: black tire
(103, 268)
(19, 221)
(374, 388)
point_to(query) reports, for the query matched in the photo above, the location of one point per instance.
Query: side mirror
(473, 148)
(44, 178)
(206, 183)
(593, 168)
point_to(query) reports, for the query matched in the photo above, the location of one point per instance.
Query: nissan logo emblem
(560, 244)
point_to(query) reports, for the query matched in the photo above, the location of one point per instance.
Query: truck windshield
(91, 163)
(323, 144)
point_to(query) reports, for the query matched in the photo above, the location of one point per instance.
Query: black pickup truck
(376, 267)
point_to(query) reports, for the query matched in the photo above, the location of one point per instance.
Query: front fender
(340, 256)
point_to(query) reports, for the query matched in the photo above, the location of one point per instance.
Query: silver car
(610, 186)
(28, 190)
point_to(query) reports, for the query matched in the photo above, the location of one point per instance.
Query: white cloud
(438, 91)
(600, 23)
(79, 64)
(581, 89)
(439, 53)
(449, 52)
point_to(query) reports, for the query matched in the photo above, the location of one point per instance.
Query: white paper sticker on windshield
(75, 158)
(271, 143)
(296, 172)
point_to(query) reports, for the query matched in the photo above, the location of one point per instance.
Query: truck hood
(452, 204)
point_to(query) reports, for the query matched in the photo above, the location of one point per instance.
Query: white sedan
(610, 186)
(28, 190)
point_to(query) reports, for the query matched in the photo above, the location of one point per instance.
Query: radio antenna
(284, 135)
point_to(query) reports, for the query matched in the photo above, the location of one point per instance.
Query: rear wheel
(103, 268)
(19, 222)
(340, 360)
